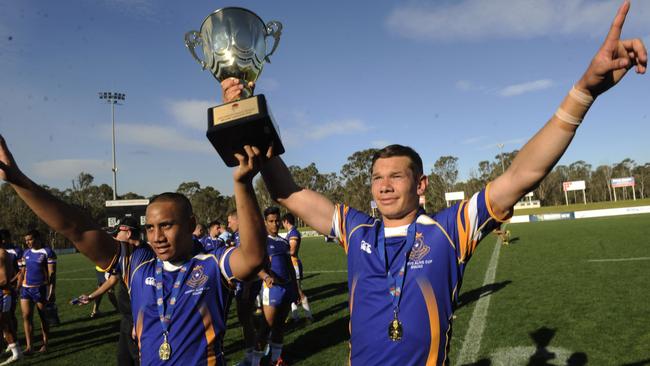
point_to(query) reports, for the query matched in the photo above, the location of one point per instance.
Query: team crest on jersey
(420, 250)
(197, 278)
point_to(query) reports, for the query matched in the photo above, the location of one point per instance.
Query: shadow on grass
(317, 339)
(325, 291)
(470, 296)
(542, 356)
(638, 363)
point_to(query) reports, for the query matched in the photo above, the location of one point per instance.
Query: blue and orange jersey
(443, 244)
(35, 262)
(198, 323)
(294, 234)
(278, 251)
(209, 243)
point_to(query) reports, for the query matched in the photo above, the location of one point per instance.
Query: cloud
(309, 131)
(531, 86)
(67, 168)
(160, 137)
(473, 20)
(466, 85)
(191, 113)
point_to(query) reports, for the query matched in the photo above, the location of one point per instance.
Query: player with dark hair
(179, 293)
(279, 289)
(212, 241)
(294, 238)
(39, 267)
(15, 283)
(405, 269)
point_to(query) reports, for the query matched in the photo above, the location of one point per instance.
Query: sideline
(619, 259)
(472, 340)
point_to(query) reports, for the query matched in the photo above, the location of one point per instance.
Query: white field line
(77, 279)
(328, 271)
(620, 259)
(472, 341)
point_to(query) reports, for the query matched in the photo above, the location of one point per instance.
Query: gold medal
(395, 330)
(165, 350)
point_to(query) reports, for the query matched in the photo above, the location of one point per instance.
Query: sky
(445, 77)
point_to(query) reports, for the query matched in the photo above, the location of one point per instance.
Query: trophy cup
(233, 42)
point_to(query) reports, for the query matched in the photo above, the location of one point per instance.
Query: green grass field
(565, 292)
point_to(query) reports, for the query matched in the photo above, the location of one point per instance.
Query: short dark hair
(400, 150)
(180, 199)
(213, 223)
(232, 213)
(288, 217)
(35, 234)
(273, 210)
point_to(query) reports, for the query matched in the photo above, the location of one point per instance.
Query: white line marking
(328, 271)
(620, 259)
(77, 279)
(472, 341)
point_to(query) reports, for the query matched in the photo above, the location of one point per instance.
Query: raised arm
(541, 153)
(314, 208)
(70, 222)
(247, 259)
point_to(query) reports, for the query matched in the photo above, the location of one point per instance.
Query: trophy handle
(193, 39)
(273, 29)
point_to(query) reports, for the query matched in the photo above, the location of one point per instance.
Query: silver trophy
(233, 43)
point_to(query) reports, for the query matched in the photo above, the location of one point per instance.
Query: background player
(8, 301)
(294, 238)
(17, 252)
(38, 266)
(279, 289)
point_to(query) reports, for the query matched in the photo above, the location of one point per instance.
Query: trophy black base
(243, 122)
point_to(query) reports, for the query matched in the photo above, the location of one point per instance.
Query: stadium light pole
(503, 168)
(113, 99)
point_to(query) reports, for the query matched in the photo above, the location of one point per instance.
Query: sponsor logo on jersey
(365, 246)
(150, 281)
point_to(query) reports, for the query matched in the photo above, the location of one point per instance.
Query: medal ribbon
(396, 280)
(166, 314)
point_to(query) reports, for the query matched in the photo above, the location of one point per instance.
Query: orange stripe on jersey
(463, 229)
(434, 322)
(209, 335)
(489, 206)
(342, 220)
(352, 288)
(138, 330)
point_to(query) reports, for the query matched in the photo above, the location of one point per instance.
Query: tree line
(351, 185)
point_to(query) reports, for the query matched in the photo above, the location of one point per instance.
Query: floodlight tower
(503, 168)
(113, 98)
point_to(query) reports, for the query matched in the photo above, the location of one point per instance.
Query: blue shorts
(7, 301)
(35, 294)
(247, 291)
(279, 294)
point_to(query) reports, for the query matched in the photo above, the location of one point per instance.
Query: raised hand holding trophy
(234, 46)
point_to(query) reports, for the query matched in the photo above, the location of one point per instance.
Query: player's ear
(422, 184)
(192, 224)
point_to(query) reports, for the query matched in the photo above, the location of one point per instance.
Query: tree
(356, 179)
(446, 168)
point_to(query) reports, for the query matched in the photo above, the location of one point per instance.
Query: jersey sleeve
(344, 221)
(474, 220)
(130, 260)
(51, 255)
(223, 258)
(21, 261)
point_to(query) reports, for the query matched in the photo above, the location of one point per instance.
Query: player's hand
(9, 170)
(614, 58)
(251, 163)
(231, 89)
(84, 300)
(268, 281)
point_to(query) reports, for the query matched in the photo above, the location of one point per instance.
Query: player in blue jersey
(178, 291)
(199, 232)
(17, 253)
(212, 241)
(294, 238)
(279, 289)
(405, 270)
(39, 267)
(8, 298)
